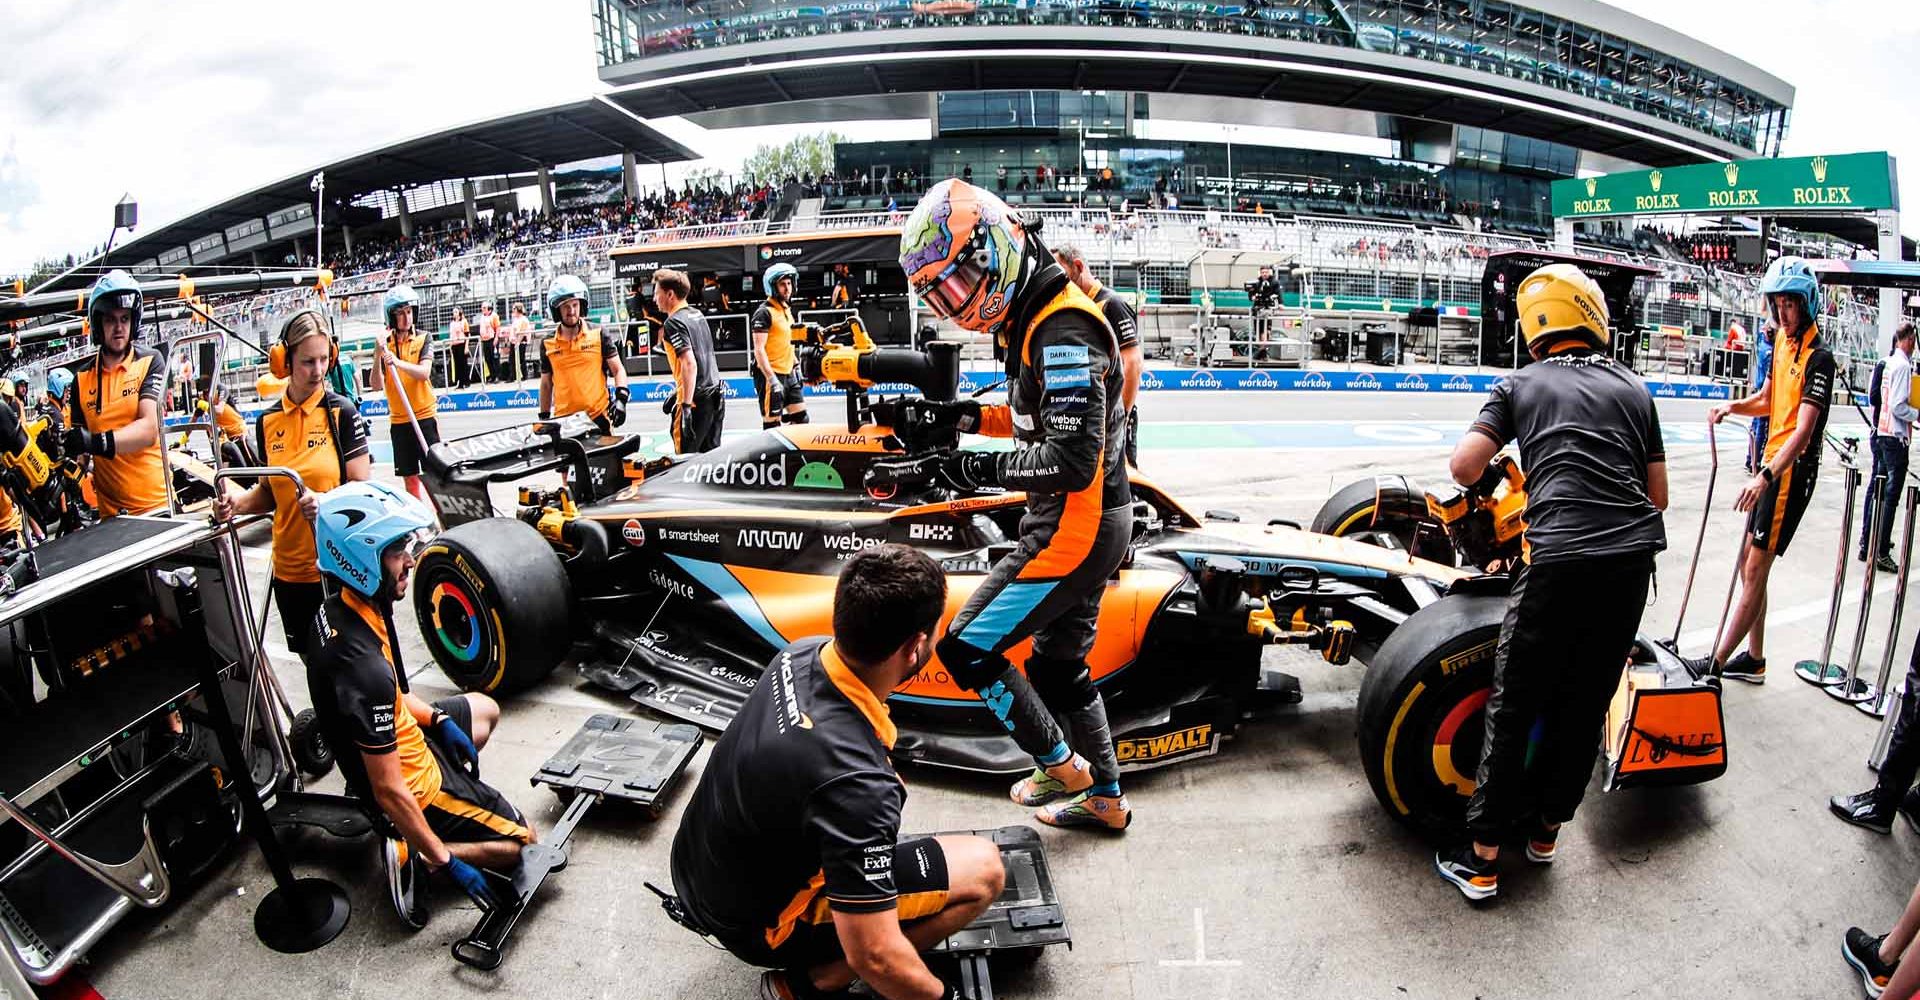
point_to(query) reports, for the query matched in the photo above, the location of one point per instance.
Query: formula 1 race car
(675, 581)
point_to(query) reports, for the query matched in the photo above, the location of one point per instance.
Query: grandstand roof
(515, 144)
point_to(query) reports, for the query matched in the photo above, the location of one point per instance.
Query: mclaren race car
(673, 582)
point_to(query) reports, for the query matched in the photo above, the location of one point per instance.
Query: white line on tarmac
(1199, 959)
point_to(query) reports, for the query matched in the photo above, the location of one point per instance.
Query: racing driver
(972, 262)
(1590, 442)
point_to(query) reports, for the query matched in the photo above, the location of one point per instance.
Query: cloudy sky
(183, 103)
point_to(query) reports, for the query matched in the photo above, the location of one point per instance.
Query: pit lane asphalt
(1269, 870)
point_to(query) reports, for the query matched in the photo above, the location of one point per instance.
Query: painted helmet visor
(956, 287)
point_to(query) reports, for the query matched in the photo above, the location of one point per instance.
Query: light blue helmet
(58, 381)
(1793, 276)
(397, 297)
(771, 277)
(563, 288)
(356, 525)
(116, 289)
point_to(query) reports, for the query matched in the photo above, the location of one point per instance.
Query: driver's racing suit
(1064, 409)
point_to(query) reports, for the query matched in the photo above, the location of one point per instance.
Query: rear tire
(1421, 714)
(493, 602)
(1390, 505)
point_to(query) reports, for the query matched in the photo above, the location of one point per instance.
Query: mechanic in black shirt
(1126, 330)
(1589, 440)
(789, 853)
(418, 762)
(971, 261)
(699, 403)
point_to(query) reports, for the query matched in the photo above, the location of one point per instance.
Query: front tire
(1422, 709)
(1386, 505)
(493, 602)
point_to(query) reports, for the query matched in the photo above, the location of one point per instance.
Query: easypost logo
(481, 401)
(1259, 379)
(1201, 379)
(1314, 380)
(1149, 380)
(1457, 383)
(1412, 382)
(1364, 380)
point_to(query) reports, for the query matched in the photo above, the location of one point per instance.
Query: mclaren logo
(791, 715)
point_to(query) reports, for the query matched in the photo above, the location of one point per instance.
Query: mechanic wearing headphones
(1794, 400)
(1589, 440)
(699, 403)
(409, 353)
(116, 403)
(418, 762)
(970, 261)
(316, 434)
(789, 853)
(1126, 329)
(577, 360)
(774, 383)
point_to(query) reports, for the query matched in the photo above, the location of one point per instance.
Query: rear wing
(459, 472)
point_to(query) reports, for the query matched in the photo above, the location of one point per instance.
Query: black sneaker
(1743, 667)
(1863, 810)
(1862, 951)
(1885, 564)
(1910, 809)
(1477, 879)
(1698, 666)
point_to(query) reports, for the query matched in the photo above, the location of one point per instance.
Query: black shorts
(406, 448)
(298, 603)
(775, 397)
(920, 875)
(1776, 516)
(467, 810)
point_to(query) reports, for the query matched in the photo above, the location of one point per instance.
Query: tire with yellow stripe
(493, 602)
(1422, 709)
(1379, 506)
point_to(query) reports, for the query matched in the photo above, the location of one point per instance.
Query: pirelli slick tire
(1386, 505)
(493, 603)
(1421, 715)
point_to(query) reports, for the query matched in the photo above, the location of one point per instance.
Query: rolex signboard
(1846, 182)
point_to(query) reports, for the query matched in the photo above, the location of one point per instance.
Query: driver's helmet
(563, 288)
(358, 522)
(962, 250)
(398, 297)
(1793, 276)
(58, 381)
(116, 289)
(771, 277)
(1559, 301)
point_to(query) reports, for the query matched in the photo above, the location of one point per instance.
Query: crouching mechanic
(971, 262)
(1589, 440)
(1794, 400)
(418, 762)
(775, 384)
(116, 403)
(789, 853)
(577, 360)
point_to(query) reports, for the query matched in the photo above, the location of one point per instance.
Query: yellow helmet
(1560, 300)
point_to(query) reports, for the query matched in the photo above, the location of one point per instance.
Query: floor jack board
(1027, 914)
(632, 760)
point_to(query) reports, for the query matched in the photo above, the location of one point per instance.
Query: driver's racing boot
(1049, 784)
(1099, 812)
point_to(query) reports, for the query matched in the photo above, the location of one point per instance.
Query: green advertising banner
(1842, 182)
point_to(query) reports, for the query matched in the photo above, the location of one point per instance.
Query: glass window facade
(1484, 36)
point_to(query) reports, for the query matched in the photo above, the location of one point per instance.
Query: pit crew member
(405, 371)
(789, 853)
(775, 384)
(1589, 439)
(699, 403)
(577, 360)
(116, 403)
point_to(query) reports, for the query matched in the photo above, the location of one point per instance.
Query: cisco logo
(1416, 383)
(1200, 380)
(1364, 380)
(775, 253)
(1314, 380)
(1259, 380)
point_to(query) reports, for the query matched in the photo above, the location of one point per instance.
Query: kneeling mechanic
(789, 853)
(418, 762)
(1596, 483)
